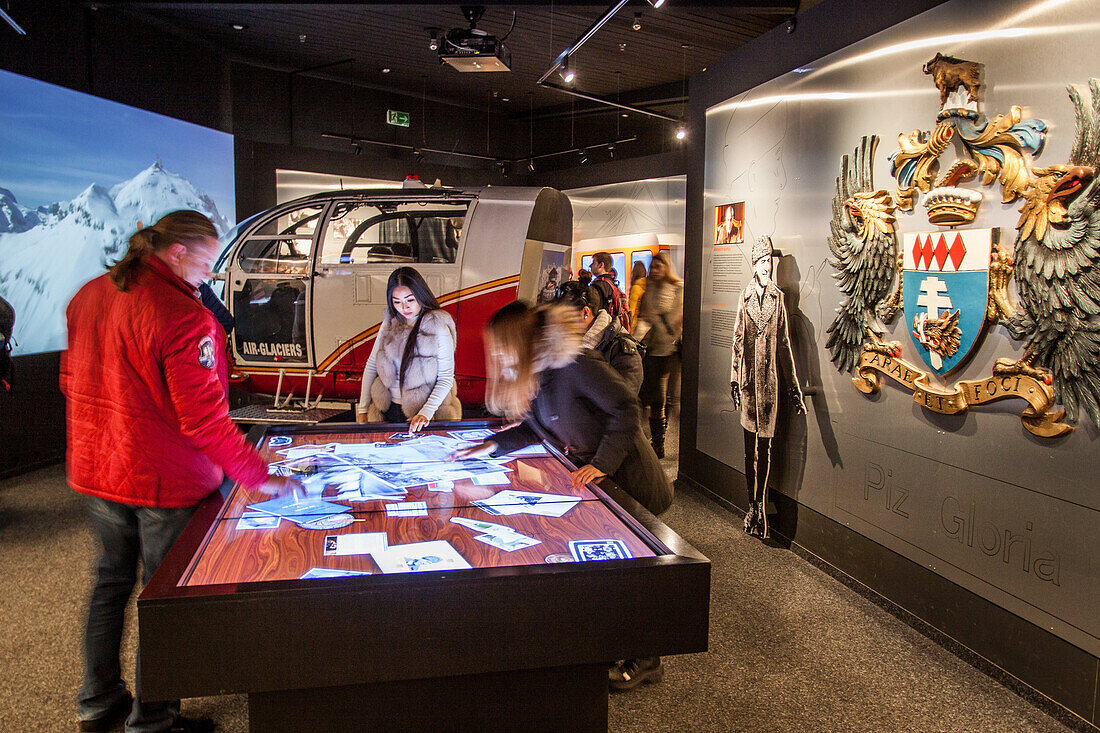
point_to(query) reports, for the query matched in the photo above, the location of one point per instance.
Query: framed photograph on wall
(729, 223)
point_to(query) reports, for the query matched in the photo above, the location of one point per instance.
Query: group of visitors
(146, 381)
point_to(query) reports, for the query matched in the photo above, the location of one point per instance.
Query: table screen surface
(435, 515)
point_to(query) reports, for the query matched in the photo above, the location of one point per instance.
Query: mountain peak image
(13, 217)
(48, 253)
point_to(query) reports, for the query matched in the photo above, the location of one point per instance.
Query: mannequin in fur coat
(405, 381)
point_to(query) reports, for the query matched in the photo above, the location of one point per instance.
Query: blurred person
(540, 373)
(660, 322)
(602, 333)
(637, 287)
(146, 378)
(567, 395)
(410, 372)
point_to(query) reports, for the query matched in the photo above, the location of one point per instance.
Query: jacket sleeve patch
(206, 352)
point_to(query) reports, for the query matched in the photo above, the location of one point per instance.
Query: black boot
(657, 433)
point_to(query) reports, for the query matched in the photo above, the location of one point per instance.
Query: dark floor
(791, 649)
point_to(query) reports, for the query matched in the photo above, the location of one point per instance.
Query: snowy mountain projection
(59, 142)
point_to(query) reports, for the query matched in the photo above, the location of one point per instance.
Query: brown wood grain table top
(230, 555)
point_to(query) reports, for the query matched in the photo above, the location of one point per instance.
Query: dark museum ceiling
(354, 42)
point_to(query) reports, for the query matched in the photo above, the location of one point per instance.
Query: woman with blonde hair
(540, 374)
(660, 323)
(410, 372)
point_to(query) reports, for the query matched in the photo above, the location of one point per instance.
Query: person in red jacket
(145, 379)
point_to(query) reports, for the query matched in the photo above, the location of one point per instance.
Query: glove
(735, 393)
(797, 402)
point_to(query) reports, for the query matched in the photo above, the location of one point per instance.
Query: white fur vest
(423, 369)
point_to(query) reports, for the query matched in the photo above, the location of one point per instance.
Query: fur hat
(761, 248)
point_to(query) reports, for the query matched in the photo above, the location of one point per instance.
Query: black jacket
(589, 413)
(623, 353)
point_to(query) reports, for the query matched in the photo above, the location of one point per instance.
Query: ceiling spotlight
(433, 44)
(302, 38)
(567, 75)
(386, 70)
(792, 24)
(531, 165)
(358, 149)
(584, 157)
(239, 27)
(656, 3)
(637, 24)
(611, 150)
(681, 133)
(625, 114)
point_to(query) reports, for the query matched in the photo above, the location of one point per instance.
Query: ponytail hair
(184, 227)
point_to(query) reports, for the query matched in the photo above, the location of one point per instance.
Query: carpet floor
(791, 648)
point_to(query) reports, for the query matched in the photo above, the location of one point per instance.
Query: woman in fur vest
(410, 373)
(565, 394)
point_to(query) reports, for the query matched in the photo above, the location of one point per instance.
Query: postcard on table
(362, 543)
(420, 557)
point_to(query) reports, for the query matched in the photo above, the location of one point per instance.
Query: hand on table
(586, 474)
(418, 423)
(283, 486)
(480, 450)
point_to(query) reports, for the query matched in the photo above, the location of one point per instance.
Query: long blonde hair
(510, 337)
(670, 271)
(185, 227)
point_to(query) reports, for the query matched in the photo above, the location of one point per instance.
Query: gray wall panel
(778, 148)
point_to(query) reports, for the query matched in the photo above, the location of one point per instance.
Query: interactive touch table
(411, 593)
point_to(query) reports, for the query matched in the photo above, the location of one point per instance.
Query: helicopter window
(419, 232)
(282, 244)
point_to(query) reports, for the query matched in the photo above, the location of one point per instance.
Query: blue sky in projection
(55, 142)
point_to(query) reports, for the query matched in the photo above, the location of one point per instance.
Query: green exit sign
(398, 119)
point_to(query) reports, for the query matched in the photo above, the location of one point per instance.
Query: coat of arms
(950, 283)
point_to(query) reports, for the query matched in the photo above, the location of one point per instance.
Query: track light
(637, 24)
(531, 165)
(681, 133)
(567, 75)
(433, 43)
(611, 150)
(584, 157)
(656, 3)
(792, 24)
(358, 149)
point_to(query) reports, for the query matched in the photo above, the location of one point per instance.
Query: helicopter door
(363, 242)
(269, 289)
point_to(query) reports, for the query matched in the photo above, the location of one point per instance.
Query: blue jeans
(126, 534)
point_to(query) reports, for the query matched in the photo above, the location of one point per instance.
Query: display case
(411, 592)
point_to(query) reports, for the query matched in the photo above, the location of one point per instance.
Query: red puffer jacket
(145, 377)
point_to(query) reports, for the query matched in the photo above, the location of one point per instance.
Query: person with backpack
(613, 300)
(660, 321)
(603, 333)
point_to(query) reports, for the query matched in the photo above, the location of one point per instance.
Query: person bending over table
(569, 396)
(410, 372)
(145, 379)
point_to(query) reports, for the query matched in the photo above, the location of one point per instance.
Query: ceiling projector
(470, 49)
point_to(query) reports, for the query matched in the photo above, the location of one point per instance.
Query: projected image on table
(77, 174)
(385, 502)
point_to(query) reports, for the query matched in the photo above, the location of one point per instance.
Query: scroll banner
(1039, 396)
